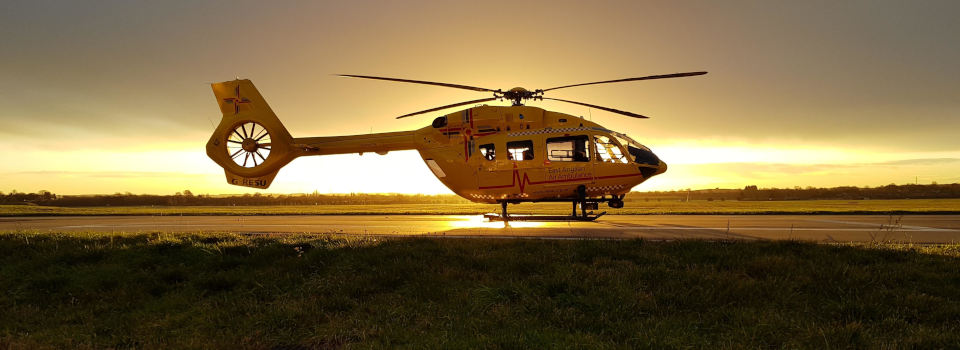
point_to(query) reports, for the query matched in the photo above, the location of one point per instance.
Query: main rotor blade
(617, 111)
(418, 82)
(676, 75)
(449, 106)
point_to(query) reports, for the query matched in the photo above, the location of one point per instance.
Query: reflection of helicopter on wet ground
(487, 154)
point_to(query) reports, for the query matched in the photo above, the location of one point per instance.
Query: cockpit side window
(569, 149)
(520, 150)
(608, 151)
(488, 151)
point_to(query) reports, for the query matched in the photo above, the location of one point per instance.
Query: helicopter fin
(250, 144)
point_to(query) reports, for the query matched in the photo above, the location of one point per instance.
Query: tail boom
(376, 143)
(252, 145)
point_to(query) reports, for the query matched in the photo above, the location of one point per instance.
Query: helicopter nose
(662, 168)
(648, 162)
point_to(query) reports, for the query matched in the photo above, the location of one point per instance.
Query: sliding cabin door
(568, 161)
(495, 172)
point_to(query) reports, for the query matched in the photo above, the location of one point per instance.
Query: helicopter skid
(498, 217)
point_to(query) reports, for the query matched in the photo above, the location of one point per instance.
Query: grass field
(904, 206)
(224, 291)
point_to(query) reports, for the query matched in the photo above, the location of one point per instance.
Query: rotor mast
(518, 94)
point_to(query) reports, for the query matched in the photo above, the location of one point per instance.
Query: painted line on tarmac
(638, 228)
(885, 226)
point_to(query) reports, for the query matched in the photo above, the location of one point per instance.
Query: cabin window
(568, 149)
(488, 151)
(520, 150)
(608, 151)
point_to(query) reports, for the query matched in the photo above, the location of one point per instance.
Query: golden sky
(113, 96)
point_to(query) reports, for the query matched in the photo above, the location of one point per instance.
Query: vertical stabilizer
(251, 144)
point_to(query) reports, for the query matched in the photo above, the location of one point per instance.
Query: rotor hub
(517, 95)
(249, 144)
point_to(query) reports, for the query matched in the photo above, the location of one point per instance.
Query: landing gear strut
(581, 199)
(616, 202)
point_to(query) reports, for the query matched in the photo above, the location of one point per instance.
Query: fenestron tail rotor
(249, 144)
(518, 95)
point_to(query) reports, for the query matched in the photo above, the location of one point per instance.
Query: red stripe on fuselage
(616, 176)
(526, 180)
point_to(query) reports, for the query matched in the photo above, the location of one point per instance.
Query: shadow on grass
(211, 290)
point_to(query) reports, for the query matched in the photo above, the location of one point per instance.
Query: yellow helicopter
(486, 154)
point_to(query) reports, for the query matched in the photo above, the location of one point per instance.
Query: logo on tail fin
(236, 101)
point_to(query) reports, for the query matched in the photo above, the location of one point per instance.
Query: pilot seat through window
(488, 151)
(608, 151)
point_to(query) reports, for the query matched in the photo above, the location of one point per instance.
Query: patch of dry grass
(227, 291)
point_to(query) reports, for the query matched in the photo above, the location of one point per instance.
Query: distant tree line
(15, 197)
(749, 193)
(187, 198)
(753, 193)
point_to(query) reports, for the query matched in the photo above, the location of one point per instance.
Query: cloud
(926, 161)
(825, 169)
(108, 174)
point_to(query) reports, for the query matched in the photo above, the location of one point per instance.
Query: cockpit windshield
(608, 151)
(613, 153)
(624, 139)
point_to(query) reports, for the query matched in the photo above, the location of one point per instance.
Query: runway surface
(841, 228)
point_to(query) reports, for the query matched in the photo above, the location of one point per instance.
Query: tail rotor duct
(249, 144)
